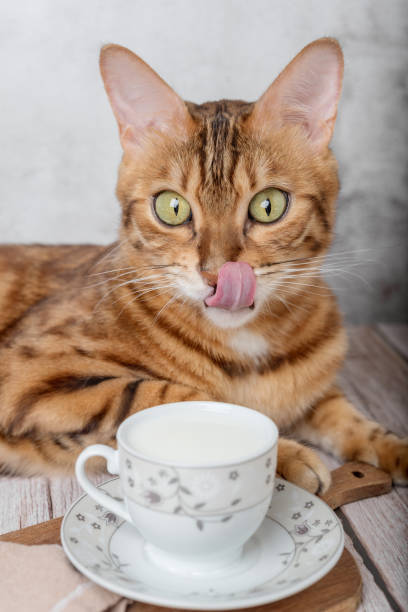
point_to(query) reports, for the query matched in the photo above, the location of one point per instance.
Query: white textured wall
(59, 149)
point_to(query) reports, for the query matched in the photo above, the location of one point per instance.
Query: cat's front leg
(336, 426)
(49, 423)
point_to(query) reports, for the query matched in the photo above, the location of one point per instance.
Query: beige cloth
(41, 579)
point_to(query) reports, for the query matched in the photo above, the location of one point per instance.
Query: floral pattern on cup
(198, 492)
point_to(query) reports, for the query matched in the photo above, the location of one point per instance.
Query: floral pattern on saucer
(311, 539)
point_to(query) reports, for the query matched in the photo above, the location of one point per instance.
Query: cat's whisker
(337, 258)
(114, 270)
(136, 277)
(271, 311)
(328, 266)
(287, 283)
(107, 255)
(309, 268)
(285, 271)
(106, 280)
(285, 301)
(142, 292)
(347, 253)
(158, 266)
(287, 279)
(314, 272)
(133, 299)
(355, 275)
(310, 289)
(136, 296)
(333, 262)
(147, 280)
(292, 279)
(330, 271)
(165, 306)
(131, 269)
(337, 254)
(295, 284)
(105, 295)
(301, 277)
(139, 234)
(113, 289)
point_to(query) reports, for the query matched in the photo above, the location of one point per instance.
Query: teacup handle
(111, 456)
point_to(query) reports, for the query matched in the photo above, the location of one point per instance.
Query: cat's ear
(305, 93)
(140, 99)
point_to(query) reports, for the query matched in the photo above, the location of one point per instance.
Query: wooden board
(339, 591)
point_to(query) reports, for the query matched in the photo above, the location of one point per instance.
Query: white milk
(200, 439)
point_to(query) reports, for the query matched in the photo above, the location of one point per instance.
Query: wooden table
(375, 378)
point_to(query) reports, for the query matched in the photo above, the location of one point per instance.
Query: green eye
(268, 205)
(172, 208)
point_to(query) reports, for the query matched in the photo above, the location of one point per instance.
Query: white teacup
(195, 515)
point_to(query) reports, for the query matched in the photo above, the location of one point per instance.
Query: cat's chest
(249, 345)
(277, 390)
(276, 394)
(252, 388)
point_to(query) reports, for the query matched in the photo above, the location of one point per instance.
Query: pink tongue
(236, 286)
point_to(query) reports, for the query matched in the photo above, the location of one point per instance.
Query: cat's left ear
(306, 93)
(141, 101)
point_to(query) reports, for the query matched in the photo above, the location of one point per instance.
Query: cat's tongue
(236, 286)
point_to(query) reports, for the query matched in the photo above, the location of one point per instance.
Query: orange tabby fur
(89, 334)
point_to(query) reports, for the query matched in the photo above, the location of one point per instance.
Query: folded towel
(41, 579)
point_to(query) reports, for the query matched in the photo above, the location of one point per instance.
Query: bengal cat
(213, 289)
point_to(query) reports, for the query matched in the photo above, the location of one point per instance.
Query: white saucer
(300, 540)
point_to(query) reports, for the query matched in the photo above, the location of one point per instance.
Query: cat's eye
(268, 205)
(172, 208)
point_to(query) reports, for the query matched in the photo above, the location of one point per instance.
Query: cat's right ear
(141, 101)
(306, 94)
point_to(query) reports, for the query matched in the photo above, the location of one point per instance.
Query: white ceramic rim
(191, 605)
(208, 406)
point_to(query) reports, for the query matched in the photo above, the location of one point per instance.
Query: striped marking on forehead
(222, 128)
(219, 141)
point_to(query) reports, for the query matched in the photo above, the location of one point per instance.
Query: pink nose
(210, 277)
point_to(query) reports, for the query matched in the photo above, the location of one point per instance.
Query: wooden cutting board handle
(354, 481)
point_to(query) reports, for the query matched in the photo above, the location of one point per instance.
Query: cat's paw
(302, 466)
(396, 452)
(383, 449)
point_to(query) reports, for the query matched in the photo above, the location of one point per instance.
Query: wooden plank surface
(24, 501)
(63, 491)
(375, 380)
(396, 336)
(28, 501)
(373, 598)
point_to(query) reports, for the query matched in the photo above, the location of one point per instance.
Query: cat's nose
(210, 277)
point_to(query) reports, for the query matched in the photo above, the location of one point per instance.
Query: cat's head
(226, 199)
